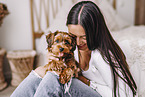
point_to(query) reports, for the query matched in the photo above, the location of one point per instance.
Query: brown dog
(61, 46)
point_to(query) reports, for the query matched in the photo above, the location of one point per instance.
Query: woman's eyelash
(83, 37)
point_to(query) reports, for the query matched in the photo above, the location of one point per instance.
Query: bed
(129, 37)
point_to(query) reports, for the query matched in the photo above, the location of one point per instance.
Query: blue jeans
(49, 86)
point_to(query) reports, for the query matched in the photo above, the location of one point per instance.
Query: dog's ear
(56, 32)
(73, 44)
(49, 39)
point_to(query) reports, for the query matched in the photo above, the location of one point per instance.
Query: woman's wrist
(93, 85)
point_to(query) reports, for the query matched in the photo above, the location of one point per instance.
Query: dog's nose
(61, 49)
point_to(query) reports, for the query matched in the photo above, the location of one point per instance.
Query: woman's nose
(78, 41)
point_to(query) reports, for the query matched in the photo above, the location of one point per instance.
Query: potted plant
(3, 13)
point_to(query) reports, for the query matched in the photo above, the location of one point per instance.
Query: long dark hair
(89, 16)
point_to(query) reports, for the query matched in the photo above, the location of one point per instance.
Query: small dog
(61, 46)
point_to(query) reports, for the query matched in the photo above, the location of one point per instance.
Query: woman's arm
(104, 69)
(41, 71)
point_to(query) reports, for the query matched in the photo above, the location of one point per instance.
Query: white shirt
(100, 72)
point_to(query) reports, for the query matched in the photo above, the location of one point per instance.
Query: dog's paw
(66, 75)
(76, 73)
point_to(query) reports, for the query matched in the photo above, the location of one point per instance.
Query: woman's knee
(80, 89)
(49, 86)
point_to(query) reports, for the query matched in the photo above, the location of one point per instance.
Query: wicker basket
(3, 84)
(21, 63)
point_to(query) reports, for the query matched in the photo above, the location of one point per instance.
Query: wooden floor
(7, 91)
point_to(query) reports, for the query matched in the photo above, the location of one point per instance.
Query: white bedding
(130, 38)
(132, 42)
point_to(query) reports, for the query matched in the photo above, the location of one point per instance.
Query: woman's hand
(50, 56)
(92, 84)
(41, 71)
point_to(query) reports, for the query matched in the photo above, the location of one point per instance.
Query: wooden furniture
(43, 11)
(40, 11)
(140, 12)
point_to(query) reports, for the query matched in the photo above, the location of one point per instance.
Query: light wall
(126, 9)
(15, 32)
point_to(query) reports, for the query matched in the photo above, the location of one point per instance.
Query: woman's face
(79, 32)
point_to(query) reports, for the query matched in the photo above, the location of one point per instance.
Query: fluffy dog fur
(61, 46)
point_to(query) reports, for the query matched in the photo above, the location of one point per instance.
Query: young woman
(104, 68)
(100, 57)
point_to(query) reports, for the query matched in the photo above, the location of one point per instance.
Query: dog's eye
(57, 41)
(67, 42)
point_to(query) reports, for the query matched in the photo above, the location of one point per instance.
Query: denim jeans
(49, 86)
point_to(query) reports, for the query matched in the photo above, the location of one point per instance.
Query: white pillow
(59, 23)
(95, 1)
(113, 20)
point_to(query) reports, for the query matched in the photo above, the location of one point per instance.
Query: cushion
(113, 20)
